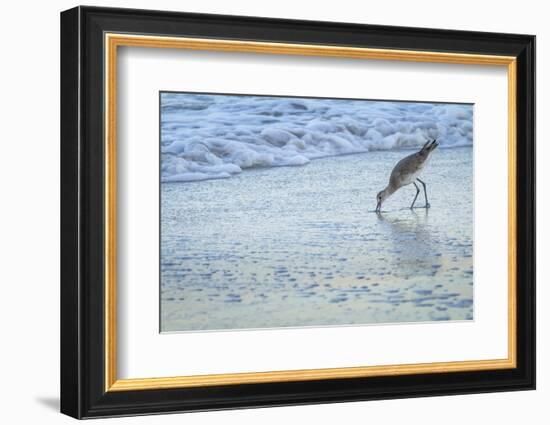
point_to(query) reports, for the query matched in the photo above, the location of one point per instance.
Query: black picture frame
(83, 392)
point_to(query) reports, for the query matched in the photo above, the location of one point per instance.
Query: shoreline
(261, 168)
(307, 252)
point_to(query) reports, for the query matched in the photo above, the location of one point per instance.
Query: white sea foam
(217, 136)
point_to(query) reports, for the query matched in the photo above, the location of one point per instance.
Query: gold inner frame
(113, 41)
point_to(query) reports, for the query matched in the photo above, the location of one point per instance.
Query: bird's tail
(429, 146)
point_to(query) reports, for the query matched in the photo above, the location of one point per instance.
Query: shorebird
(406, 172)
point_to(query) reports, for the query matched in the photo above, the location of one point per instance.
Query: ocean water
(271, 246)
(219, 136)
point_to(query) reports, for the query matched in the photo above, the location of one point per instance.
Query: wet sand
(301, 246)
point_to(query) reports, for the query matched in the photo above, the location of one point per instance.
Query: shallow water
(301, 246)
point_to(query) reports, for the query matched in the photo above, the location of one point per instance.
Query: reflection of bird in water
(412, 241)
(402, 225)
(406, 172)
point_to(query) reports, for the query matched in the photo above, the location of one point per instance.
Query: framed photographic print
(261, 212)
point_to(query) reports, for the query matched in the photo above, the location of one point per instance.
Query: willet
(406, 172)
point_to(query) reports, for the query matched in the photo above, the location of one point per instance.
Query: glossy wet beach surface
(301, 246)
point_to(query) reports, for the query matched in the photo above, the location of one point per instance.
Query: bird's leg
(425, 193)
(415, 196)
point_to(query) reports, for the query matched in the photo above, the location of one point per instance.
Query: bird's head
(381, 197)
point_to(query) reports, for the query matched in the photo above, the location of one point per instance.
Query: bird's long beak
(378, 206)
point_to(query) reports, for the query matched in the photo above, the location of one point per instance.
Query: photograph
(292, 212)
